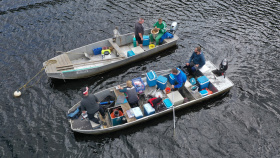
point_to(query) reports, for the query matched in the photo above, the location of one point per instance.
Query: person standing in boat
(90, 105)
(139, 32)
(180, 78)
(132, 96)
(162, 29)
(196, 61)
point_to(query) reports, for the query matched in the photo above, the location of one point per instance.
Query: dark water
(243, 123)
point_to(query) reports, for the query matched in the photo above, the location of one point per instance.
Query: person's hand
(172, 86)
(83, 112)
(197, 65)
(188, 64)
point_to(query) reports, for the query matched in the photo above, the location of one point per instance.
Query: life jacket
(154, 101)
(113, 115)
(208, 90)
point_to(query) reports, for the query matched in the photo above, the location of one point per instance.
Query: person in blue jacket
(196, 61)
(180, 78)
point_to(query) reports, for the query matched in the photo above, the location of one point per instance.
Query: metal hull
(220, 84)
(123, 41)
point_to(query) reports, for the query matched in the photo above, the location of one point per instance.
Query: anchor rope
(47, 63)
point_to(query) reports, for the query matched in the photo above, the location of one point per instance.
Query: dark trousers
(132, 105)
(94, 119)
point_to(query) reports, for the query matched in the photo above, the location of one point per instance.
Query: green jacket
(162, 27)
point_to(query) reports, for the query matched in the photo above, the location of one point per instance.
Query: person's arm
(83, 109)
(191, 58)
(180, 83)
(123, 90)
(202, 60)
(163, 30)
(140, 35)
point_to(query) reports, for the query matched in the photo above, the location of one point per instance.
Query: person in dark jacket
(139, 32)
(132, 96)
(196, 61)
(180, 78)
(90, 105)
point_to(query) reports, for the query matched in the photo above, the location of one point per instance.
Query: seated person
(162, 29)
(116, 113)
(196, 61)
(180, 78)
(132, 96)
(90, 105)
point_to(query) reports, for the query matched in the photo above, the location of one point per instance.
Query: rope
(47, 63)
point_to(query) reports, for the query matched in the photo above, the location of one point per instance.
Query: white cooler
(178, 98)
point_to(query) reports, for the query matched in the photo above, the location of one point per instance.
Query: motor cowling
(173, 27)
(223, 67)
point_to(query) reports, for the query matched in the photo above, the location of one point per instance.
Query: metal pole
(173, 111)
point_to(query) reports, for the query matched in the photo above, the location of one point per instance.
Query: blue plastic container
(151, 78)
(167, 103)
(137, 112)
(130, 53)
(138, 84)
(203, 82)
(161, 82)
(148, 109)
(97, 51)
(134, 42)
(146, 40)
(171, 79)
(203, 93)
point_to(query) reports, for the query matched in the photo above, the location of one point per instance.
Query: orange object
(209, 92)
(113, 115)
(167, 90)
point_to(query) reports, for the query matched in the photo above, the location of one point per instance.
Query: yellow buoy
(151, 46)
(17, 93)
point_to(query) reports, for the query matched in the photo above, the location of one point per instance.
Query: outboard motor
(223, 67)
(173, 27)
(116, 34)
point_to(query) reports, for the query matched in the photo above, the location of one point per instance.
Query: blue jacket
(181, 78)
(197, 59)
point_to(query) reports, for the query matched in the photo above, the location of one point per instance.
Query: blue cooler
(130, 53)
(167, 103)
(203, 82)
(161, 82)
(203, 93)
(151, 78)
(137, 112)
(171, 79)
(97, 51)
(146, 40)
(148, 109)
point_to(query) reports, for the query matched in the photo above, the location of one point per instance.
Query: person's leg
(92, 118)
(183, 91)
(158, 37)
(151, 38)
